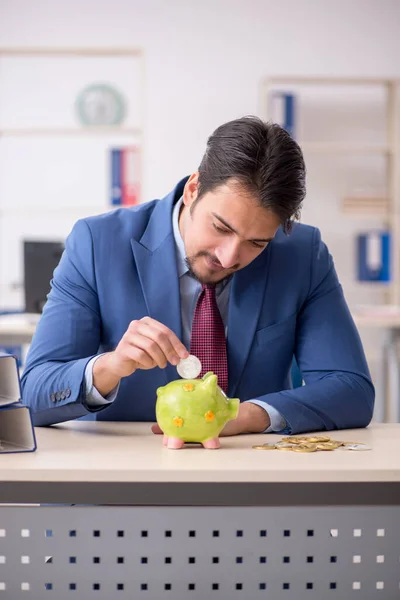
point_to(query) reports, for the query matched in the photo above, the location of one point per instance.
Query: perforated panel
(66, 553)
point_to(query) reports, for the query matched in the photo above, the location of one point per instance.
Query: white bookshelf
(61, 131)
(30, 127)
(383, 207)
(337, 148)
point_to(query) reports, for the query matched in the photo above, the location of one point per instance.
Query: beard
(204, 280)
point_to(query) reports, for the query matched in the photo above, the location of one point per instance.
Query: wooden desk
(193, 523)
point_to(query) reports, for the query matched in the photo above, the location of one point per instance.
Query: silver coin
(189, 368)
(356, 447)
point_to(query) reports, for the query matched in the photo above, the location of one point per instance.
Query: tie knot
(209, 288)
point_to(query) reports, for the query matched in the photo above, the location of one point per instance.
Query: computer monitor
(40, 260)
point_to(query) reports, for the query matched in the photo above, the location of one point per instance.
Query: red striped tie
(207, 340)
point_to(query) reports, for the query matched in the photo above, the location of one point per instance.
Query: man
(137, 288)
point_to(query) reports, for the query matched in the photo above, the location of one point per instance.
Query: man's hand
(251, 419)
(146, 344)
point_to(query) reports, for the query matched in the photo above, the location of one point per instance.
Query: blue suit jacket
(121, 266)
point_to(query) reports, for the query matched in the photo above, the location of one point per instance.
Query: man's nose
(228, 254)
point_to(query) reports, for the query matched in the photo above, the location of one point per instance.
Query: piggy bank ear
(159, 390)
(210, 383)
(207, 375)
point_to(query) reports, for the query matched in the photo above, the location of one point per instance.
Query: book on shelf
(283, 110)
(130, 176)
(116, 190)
(125, 179)
(373, 256)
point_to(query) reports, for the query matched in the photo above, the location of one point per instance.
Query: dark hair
(263, 159)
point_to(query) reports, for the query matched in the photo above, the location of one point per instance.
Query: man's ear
(190, 191)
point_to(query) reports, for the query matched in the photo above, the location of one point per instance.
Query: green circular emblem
(100, 104)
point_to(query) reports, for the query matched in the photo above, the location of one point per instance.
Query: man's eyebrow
(234, 230)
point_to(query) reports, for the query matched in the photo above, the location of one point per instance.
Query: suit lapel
(155, 259)
(245, 302)
(160, 284)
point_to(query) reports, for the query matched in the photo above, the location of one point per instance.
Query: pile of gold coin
(310, 444)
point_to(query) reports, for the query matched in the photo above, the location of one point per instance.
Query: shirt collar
(179, 245)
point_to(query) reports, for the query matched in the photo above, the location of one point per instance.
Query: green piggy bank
(194, 410)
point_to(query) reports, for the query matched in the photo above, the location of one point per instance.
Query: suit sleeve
(67, 337)
(338, 391)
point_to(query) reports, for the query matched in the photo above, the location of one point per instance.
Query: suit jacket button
(58, 396)
(52, 397)
(62, 395)
(67, 393)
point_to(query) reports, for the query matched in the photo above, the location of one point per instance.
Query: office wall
(204, 63)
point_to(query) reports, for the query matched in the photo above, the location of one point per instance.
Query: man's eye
(219, 229)
(261, 246)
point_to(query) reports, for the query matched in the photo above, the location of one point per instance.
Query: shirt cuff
(93, 397)
(277, 422)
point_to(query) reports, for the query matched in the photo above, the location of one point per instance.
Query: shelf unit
(133, 134)
(385, 207)
(336, 148)
(78, 52)
(54, 131)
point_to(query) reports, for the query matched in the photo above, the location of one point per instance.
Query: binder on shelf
(116, 191)
(130, 176)
(283, 110)
(125, 180)
(373, 256)
(16, 428)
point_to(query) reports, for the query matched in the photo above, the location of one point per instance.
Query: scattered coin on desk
(311, 444)
(356, 446)
(268, 446)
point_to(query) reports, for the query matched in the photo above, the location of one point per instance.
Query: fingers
(159, 342)
(147, 344)
(129, 351)
(148, 349)
(168, 337)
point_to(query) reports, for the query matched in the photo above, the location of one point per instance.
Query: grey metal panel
(200, 552)
(203, 494)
